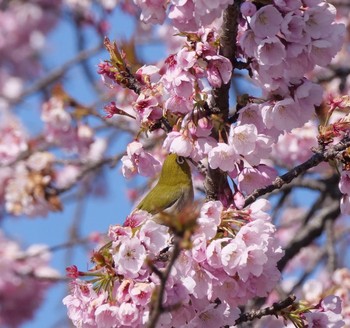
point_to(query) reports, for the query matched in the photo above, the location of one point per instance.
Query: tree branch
(216, 182)
(87, 169)
(55, 74)
(330, 247)
(158, 307)
(310, 232)
(319, 156)
(274, 309)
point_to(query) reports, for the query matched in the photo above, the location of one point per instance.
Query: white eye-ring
(180, 160)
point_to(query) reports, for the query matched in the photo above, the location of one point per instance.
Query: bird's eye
(180, 160)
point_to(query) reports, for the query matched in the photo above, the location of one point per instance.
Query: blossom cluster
(326, 314)
(294, 147)
(186, 15)
(179, 84)
(140, 161)
(64, 129)
(27, 23)
(340, 284)
(272, 40)
(330, 293)
(27, 189)
(13, 138)
(287, 39)
(29, 180)
(284, 41)
(180, 92)
(24, 281)
(210, 279)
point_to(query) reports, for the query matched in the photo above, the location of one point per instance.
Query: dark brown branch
(158, 308)
(321, 257)
(307, 273)
(306, 183)
(216, 182)
(220, 104)
(284, 197)
(314, 208)
(229, 31)
(319, 156)
(274, 309)
(337, 72)
(310, 232)
(330, 247)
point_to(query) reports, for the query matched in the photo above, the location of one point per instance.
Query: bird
(174, 189)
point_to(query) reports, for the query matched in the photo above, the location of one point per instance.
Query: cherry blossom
(20, 284)
(28, 191)
(138, 160)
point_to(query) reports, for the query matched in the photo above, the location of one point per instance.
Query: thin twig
(55, 75)
(81, 43)
(87, 169)
(76, 224)
(284, 197)
(54, 248)
(274, 309)
(51, 279)
(314, 208)
(307, 273)
(306, 183)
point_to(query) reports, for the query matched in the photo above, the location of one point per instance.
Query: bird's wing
(160, 198)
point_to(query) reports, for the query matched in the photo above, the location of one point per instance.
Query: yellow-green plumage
(174, 188)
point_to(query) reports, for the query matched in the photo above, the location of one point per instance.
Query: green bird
(174, 189)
